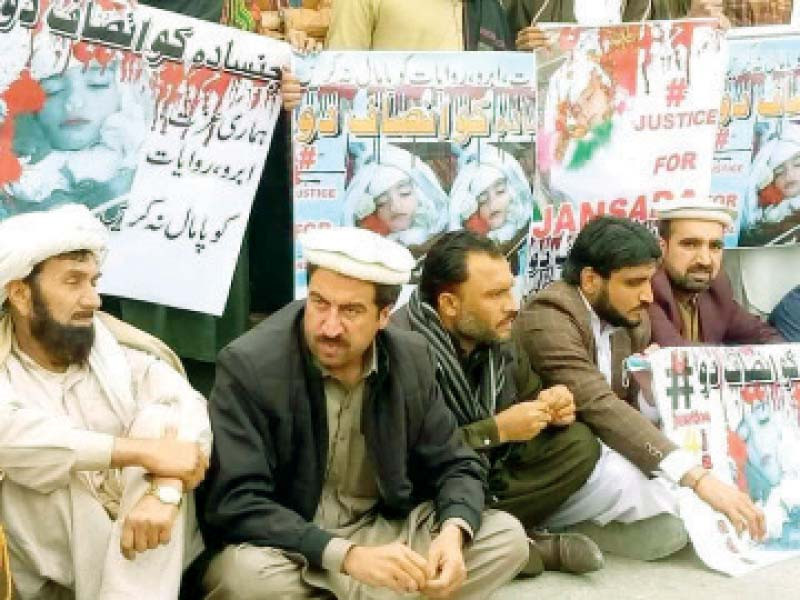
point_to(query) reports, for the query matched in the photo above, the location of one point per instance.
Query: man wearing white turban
(490, 195)
(100, 435)
(395, 194)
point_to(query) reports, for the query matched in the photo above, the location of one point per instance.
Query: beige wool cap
(699, 210)
(358, 253)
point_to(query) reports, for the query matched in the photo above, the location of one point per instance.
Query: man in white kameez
(101, 438)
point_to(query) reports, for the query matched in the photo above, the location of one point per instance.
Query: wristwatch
(167, 494)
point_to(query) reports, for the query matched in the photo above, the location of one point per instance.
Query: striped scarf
(467, 405)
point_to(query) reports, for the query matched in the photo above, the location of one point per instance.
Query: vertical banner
(158, 122)
(757, 160)
(737, 411)
(627, 119)
(411, 145)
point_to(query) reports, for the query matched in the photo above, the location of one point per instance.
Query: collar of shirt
(602, 332)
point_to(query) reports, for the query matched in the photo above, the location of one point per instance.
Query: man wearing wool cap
(337, 468)
(100, 435)
(692, 297)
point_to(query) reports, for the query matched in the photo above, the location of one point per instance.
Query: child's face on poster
(78, 101)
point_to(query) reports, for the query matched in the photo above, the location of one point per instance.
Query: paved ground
(680, 577)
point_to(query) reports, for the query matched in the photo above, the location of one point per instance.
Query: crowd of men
(359, 451)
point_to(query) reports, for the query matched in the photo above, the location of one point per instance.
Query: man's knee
(505, 536)
(252, 573)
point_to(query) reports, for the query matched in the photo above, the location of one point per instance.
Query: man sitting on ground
(465, 308)
(578, 332)
(692, 297)
(100, 436)
(337, 468)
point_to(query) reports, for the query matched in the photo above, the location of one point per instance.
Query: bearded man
(578, 332)
(692, 297)
(538, 456)
(101, 438)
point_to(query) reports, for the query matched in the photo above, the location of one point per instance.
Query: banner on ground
(158, 122)
(737, 411)
(627, 120)
(412, 145)
(757, 159)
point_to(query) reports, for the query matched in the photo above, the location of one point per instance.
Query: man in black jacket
(337, 468)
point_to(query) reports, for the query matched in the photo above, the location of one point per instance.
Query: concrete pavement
(679, 577)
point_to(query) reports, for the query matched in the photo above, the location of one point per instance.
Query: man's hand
(446, 570)
(709, 8)
(561, 405)
(147, 525)
(393, 566)
(734, 504)
(522, 421)
(163, 457)
(291, 90)
(302, 42)
(531, 38)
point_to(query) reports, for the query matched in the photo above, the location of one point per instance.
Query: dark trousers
(531, 480)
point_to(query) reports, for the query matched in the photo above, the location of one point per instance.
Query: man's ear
(383, 316)
(591, 281)
(448, 305)
(19, 297)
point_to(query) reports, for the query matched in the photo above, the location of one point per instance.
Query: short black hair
(385, 295)
(665, 229)
(445, 265)
(607, 244)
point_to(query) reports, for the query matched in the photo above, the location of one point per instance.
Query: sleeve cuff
(482, 435)
(462, 525)
(334, 553)
(676, 464)
(92, 450)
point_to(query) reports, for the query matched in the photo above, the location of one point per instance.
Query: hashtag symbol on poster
(307, 157)
(680, 383)
(723, 135)
(676, 92)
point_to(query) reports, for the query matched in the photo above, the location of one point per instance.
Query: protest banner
(158, 122)
(627, 119)
(736, 410)
(757, 159)
(411, 145)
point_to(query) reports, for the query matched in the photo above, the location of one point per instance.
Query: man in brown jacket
(692, 297)
(577, 332)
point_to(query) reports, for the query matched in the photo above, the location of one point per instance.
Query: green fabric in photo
(208, 10)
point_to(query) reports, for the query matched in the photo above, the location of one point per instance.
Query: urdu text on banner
(159, 123)
(412, 145)
(736, 410)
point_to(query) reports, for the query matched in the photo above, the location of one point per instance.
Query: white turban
(31, 238)
(358, 253)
